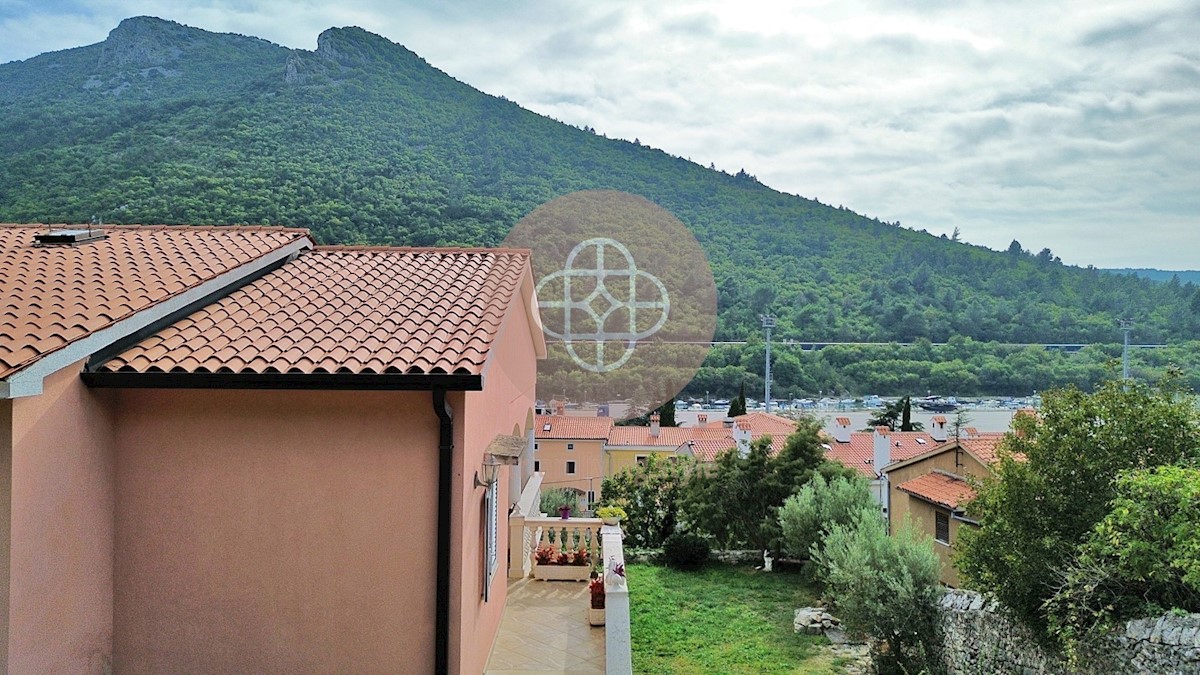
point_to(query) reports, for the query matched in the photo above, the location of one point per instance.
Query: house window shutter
(942, 527)
(491, 535)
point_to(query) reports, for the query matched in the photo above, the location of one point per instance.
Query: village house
(933, 488)
(867, 452)
(569, 451)
(230, 447)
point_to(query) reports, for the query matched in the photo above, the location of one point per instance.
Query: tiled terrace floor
(545, 630)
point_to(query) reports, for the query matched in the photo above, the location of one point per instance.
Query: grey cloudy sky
(1068, 125)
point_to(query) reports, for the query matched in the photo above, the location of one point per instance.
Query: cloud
(1073, 126)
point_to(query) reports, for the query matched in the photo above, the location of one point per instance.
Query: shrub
(736, 500)
(685, 550)
(1142, 559)
(1054, 482)
(807, 516)
(886, 588)
(555, 498)
(651, 494)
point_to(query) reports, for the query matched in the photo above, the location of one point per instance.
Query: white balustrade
(618, 646)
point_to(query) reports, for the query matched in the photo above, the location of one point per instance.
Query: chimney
(741, 436)
(841, 430)
(701, 419)
(882, 444)
(560, 407)
(937, 429)
(970, 432)
(654, 426)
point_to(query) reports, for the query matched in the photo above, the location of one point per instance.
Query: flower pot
(611, 521)
(561, 572)
(565, 512)
(595, 617)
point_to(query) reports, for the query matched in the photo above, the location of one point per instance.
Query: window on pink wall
(570, 468)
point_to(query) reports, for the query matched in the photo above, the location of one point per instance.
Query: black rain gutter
(328, 381)
(445, 468)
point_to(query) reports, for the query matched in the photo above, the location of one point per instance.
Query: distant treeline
(962, 367)
(1183, 276)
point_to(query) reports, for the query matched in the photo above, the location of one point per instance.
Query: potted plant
(596, 611)
(561, 565)
(611, 515)
(564, 511)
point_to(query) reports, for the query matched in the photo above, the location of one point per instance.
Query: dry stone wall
(979, 638)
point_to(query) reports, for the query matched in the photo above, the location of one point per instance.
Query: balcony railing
(529, 529)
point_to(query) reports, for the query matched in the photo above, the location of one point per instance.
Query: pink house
(229, 449)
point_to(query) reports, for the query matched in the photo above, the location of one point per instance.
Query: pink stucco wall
(503, 407)
(5, 522)
(61, 540)
(275, 531)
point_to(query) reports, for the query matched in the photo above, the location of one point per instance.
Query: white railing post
(520, 540)
(618, 655)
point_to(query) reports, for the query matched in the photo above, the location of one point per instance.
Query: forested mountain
(364, 142)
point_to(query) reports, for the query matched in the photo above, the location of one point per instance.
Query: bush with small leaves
(685, 550)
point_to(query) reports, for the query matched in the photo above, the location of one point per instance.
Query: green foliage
(896, 416)
(1142, 559)
(885, 587)
(555, 498)
(1035, 514)
(807, 517)
(736, 500)
(737, 407)
(666, 416)
(721, 619)
(651, 493)
(685, 550)
(611, 512)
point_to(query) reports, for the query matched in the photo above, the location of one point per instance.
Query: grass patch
(721, 619)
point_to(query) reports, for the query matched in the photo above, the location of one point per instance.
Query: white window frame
(570, 446)
(491, 534)
(571, 467)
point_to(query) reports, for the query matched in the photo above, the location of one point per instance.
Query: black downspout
(441, 637)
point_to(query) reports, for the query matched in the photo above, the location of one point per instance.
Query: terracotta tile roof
(861, 448)
(939, 488)
(668, 437)
(707, 449)
(347, 310)
(983, 447)
(710, 441)
(55, 295)
(570, 427)
(761, 423)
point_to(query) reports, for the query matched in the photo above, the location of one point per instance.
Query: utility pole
(1126, 326)
(768, 322)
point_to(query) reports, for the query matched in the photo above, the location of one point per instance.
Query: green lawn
(721, 619)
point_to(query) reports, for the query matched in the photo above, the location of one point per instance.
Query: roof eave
(309, 381)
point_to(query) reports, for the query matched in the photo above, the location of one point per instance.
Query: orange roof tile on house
(983, 446)
(354, 311)
(707, 450)
(939, 488)
(572, 427)
(859, 453)
(57, 296)
(668, 437)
